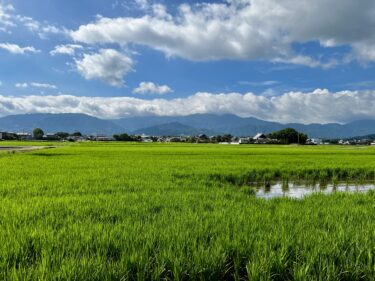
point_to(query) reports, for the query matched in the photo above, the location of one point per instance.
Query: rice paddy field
(116, 211)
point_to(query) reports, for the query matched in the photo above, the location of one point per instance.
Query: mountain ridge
(66, 122)
(177, 125)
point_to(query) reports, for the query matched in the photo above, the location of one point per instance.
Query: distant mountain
(366, 137)
(232, 124)
(209, 124)
(357, 128)
(172, 129)
(361, 127)
(221, 123)
(58, 122)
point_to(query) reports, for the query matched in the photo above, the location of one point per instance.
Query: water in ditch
(300, 190)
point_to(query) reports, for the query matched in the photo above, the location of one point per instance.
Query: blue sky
(256, 58)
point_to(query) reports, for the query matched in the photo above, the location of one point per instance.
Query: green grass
(116, 211)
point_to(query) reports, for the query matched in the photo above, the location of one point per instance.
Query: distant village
(286, 136)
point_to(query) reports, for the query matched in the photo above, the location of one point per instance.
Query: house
(8, 136)
(260, 136)
(50, 136)
(24, 136)
(175, 139)
(244, 141)
(103, 138)
(78, 138)
(146, 139)
(314, 141)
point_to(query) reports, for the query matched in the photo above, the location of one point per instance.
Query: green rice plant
(116, 211)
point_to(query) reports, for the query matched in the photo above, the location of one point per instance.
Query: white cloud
(68, 49)
(9, 20)
(43, 85)
(35, 85)
(52, 29)
(308, 107)
(259, 83)
(42, 29)
(160, 11)
(15, 49)
(364, 52)
(6, 17)
(21, 85)
(109, 66)
(28, 22)
(307, 61)
(152, 88)
(367, 84)
(142, 4)
(243, 29)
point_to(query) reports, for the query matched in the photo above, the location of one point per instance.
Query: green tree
(77, 134)
(227, 138)
(123, 137)
(38, 133)
(289, 135)
(62, 135)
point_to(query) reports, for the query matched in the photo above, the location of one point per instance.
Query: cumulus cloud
(109, 66)
(301, 107)
(15, 49)
(152, 88)
(68, 49)
(243, 29)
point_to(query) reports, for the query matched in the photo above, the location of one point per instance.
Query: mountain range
(209, 124)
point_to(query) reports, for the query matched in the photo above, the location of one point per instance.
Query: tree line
(38, 134)
(284, 136)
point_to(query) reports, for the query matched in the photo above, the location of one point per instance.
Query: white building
(175, 139)
(315, 141)
(146, 138)
(260, 136)
(103, 138)
(24, 136)
(244, 141)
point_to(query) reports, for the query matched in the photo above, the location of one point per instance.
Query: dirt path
(23, 148)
